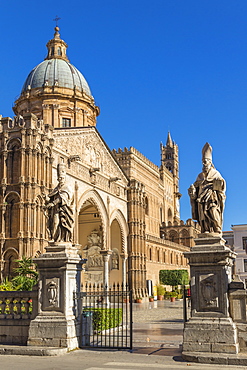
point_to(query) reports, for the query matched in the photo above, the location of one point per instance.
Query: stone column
(124, 258)
(57, 324)
(106, 254)
(210, 328)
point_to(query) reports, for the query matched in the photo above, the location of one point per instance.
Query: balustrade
(18, 304)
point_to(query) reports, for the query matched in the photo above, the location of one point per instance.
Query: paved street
(158, 324)
(157, 339)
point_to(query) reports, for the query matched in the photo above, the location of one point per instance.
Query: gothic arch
(173, 236)
(185, 237)
(146, 206)
(119, 217)
(12, 214)
(95, 199)
(169, 215)
(13, 161)
(9, 258)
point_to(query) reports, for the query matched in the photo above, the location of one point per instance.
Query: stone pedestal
(210, 328)
(57, 323)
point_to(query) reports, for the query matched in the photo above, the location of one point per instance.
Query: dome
(56, 72)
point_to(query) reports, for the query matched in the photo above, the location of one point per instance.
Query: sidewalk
(158, 329)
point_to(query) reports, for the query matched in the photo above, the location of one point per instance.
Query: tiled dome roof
(56, 72)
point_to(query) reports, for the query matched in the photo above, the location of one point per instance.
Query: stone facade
(127, 219)
(240, 247)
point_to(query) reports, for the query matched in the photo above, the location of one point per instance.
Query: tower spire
(169, 140)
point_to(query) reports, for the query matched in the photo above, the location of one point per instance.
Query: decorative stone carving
(94, 257)
(51, 296)
(59, 211)
(209, 291)
(115, 259)
(94, 239)
(92, 251)
(207, 195)
(19, 121)
(90, 148)
(52, 293)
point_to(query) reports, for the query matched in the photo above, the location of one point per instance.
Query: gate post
(56, 324)
(210, 328)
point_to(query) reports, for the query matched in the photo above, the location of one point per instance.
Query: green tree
(27, 276)
(174, 277)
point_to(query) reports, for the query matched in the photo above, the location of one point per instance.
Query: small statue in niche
(115, 260)
(59, 211)
(94, 239)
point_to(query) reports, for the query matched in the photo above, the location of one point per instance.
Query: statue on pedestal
(207, 195)
(59, 211)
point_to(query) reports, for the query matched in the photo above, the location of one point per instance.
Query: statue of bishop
(207, 195)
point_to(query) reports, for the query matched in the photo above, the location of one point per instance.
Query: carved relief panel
(88, 146)
(208, 292)
(51, 297)
(94, 264)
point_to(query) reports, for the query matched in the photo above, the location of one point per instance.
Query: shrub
(105, 318)
(26, 276)
(160, 289)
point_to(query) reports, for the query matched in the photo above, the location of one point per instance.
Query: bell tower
(169, 159)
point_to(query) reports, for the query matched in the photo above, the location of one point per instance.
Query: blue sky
(152, 67)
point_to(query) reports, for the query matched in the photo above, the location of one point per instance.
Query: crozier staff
(207, 195)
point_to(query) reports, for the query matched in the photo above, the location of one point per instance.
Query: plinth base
(54, 332)
(56, 324)
(217, 335)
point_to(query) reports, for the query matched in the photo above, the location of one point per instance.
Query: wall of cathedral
(164, 255)
(26, 174)
(158, 192)
(100, 202)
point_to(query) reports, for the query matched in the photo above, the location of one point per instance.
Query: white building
(240, 247)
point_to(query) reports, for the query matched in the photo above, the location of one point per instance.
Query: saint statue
(207, 195)
(59, 211)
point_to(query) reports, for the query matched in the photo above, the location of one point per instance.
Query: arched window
(10, 263)
(59, 51)
(13, 162)
(158, 255)
(12, 220)
(169, 215)
(185, 238)
(173, 236)
(146, 206)
(164, 257)
(171, 258)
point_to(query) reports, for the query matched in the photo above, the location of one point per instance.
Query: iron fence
(106, 316)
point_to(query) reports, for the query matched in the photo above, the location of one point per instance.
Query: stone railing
(17, 309)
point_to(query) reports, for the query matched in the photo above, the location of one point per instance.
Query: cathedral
(126, 208)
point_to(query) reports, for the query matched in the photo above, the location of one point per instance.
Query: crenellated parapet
(180, 232)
